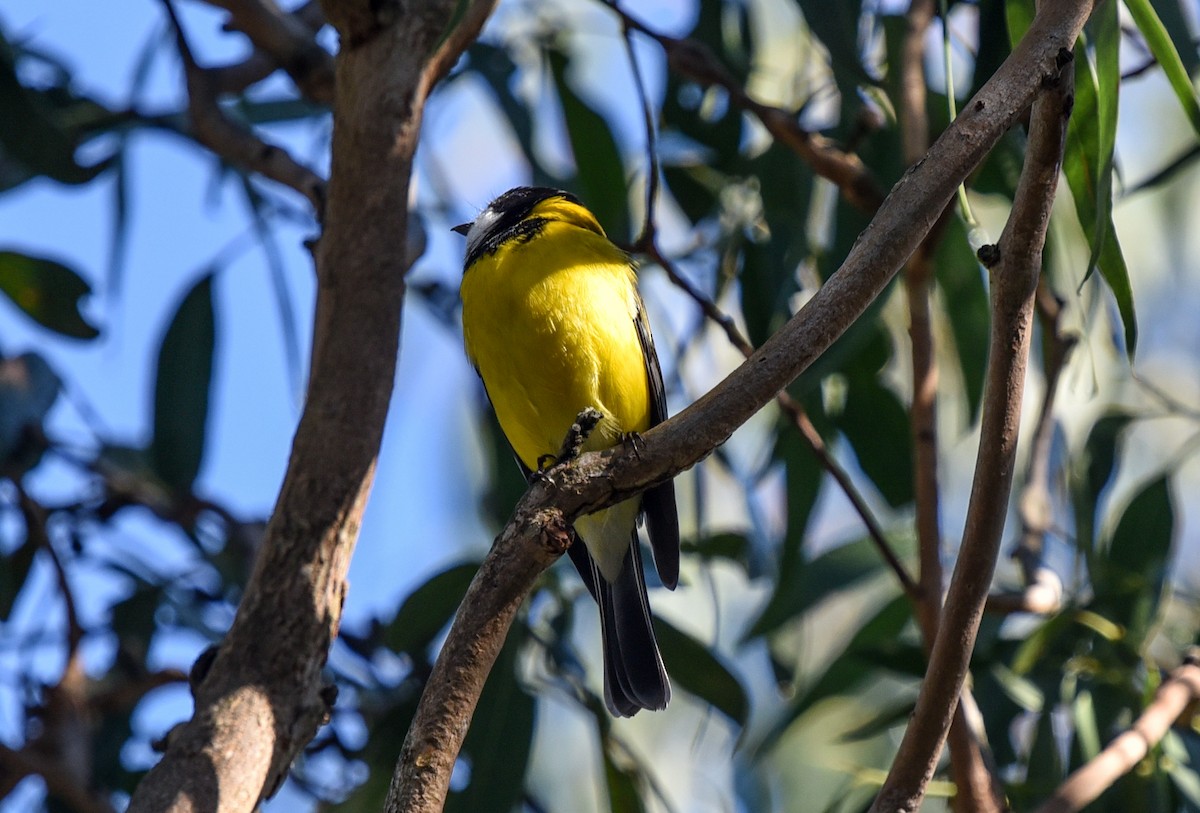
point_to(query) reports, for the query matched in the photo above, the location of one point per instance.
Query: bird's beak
(462, 228)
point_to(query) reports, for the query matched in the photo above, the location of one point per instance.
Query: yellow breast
(549, 324)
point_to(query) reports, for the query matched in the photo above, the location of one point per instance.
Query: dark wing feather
(658, 503)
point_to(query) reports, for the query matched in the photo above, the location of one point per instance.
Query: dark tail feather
(634, 677)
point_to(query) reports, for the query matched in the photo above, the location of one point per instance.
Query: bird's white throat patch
(480, 228)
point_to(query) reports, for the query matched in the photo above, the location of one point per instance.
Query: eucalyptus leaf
(694, 667)
(182, 387)
(429, 609)
(48, 291)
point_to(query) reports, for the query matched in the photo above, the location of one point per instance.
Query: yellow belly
(550, 325)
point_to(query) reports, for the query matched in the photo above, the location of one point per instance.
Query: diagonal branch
(532, 538)
(1016, 264)
(1172, 700)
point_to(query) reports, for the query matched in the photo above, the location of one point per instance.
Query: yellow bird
(553, 323)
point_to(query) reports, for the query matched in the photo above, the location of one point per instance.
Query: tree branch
(230, 140)
(1172, 700)
(599, 479)
(977, 789)
(263, 696)
(237, 76)
(1014, 283)
(288, 39)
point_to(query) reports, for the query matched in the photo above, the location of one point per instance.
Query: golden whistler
(553, 323)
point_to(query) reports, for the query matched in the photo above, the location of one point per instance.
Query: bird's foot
(585, 423)
(634, 439)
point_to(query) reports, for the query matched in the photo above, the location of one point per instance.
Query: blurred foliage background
(795, 655)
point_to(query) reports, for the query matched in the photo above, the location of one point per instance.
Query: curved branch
(1086, 784)
(288, 40)
(1014, 282)
(263, 696)
(231, 141)
(598, 479)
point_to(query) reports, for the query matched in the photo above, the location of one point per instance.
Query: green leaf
(1099, 464)
(34, 129)
(500, 739)
(965, 304)
(48, 291)
(598, 160)
(181, 389)
(623, 795)
(833, 571)
(13, 572)
(881, 721)
(856, 663)
(1133, 572)
(804, 475)
(507, 482)
(1045, 763)
(1019, 15)
(732, 546)
(694, 667)
(1160, 44)
(428, 609)
(1087, 733)
(1182, 770)
(1170, 12)
(498, 70)
(837, 26)
(1088, 168)
(876, 425)
(274, 111)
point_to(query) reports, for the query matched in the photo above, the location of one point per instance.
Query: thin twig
(652, 163)
(694, 60)
(799, 418)
(233, 142)
(1033, 505)
(1014, 284)
(918, 282)
(35, 526)
(456, 42)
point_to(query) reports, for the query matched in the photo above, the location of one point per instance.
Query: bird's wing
(658, 503)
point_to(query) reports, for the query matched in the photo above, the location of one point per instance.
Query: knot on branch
(556, 534)
(989, 255)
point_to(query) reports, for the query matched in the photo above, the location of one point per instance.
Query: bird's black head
(506, 217)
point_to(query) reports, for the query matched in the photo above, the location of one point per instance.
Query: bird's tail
(634, 676)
